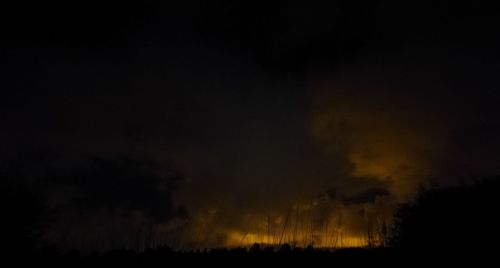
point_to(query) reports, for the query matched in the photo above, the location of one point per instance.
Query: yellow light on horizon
(236, 238)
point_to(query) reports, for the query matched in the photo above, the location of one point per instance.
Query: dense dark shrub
(455, 219)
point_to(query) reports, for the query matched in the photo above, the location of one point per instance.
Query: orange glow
(334, 240)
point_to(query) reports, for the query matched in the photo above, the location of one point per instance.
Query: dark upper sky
(256, 104)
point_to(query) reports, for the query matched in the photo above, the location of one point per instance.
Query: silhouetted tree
(24, 217)
(455, 219)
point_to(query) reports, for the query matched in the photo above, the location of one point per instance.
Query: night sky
(219, 117)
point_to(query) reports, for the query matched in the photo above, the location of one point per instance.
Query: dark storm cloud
(123, 185)
(368, 196)
(81, 198)
(258, 104)
(405, 130)
(91, 183)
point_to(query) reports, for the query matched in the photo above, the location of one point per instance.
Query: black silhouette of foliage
(455, 219)
(24, 217)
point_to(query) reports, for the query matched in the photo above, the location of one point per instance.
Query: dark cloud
(368, 196)
(259, 105)
(93, 182)
(123, 185)
(76, 194)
